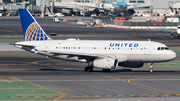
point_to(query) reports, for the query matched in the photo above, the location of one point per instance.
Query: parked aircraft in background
(106, 8)
(55, 15)
(104, 55)
(114, 7)
(172, 34)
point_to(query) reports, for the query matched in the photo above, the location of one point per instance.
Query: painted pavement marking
(63, 94)
(128, 81)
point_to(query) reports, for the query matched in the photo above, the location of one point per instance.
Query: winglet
(31, 29)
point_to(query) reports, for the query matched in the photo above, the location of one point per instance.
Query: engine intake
(105, 63)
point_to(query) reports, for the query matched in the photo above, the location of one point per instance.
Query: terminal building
(160, 6)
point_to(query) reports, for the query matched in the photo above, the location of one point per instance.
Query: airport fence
(126, 23)
(163, 24)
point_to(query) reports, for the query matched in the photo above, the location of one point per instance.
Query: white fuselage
(124, 51)
(178, 30)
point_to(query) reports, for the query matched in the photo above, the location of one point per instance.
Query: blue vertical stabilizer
(31, 29)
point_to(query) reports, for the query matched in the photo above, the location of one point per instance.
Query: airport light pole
(31, 5)
(83, 8)
(151, 7)
(76, 9)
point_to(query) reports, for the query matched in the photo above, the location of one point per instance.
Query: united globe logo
(35, 33)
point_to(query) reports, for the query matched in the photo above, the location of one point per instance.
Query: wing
(75, 54)
(89, 56)
(86, 56)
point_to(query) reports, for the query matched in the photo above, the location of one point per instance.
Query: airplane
(117, 6)
(102, 54)
(108, 7)
(172, 34)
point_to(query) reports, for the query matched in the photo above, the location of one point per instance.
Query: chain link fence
(126, 23)
(164, 24)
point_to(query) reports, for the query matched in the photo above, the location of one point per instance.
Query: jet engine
(105, 63)
(131, 64)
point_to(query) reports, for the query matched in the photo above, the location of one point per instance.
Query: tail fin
(31, 29)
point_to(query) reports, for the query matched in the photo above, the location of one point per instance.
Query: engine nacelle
(105, 63)
(131, 64)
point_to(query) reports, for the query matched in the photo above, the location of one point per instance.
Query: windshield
(162, 48)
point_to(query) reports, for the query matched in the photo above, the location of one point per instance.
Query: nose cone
(172, 55)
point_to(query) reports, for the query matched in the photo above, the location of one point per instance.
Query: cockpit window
(162, 48)
(166, 48)
(178, 27)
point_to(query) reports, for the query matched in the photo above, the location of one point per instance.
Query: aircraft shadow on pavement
(58, 70)
(117, 70)
(134, 71)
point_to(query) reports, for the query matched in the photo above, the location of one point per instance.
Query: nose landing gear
(151, 70)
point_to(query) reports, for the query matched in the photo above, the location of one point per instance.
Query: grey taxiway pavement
(123, 84)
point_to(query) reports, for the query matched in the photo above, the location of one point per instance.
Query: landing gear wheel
(173, 35)
(88, 69)
(151, 70)
(106, 70)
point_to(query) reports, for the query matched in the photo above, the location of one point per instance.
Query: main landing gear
(173, 35)
(106, 70)
(151, 70)
(88, 69)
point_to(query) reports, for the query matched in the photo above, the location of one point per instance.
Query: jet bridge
(75, 5)
(174, 7)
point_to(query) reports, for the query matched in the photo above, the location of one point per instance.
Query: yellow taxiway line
(128, 81)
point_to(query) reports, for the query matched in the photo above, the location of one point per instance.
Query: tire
(151, 70)
(106, 70)
(172, 35)
(88, 69)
